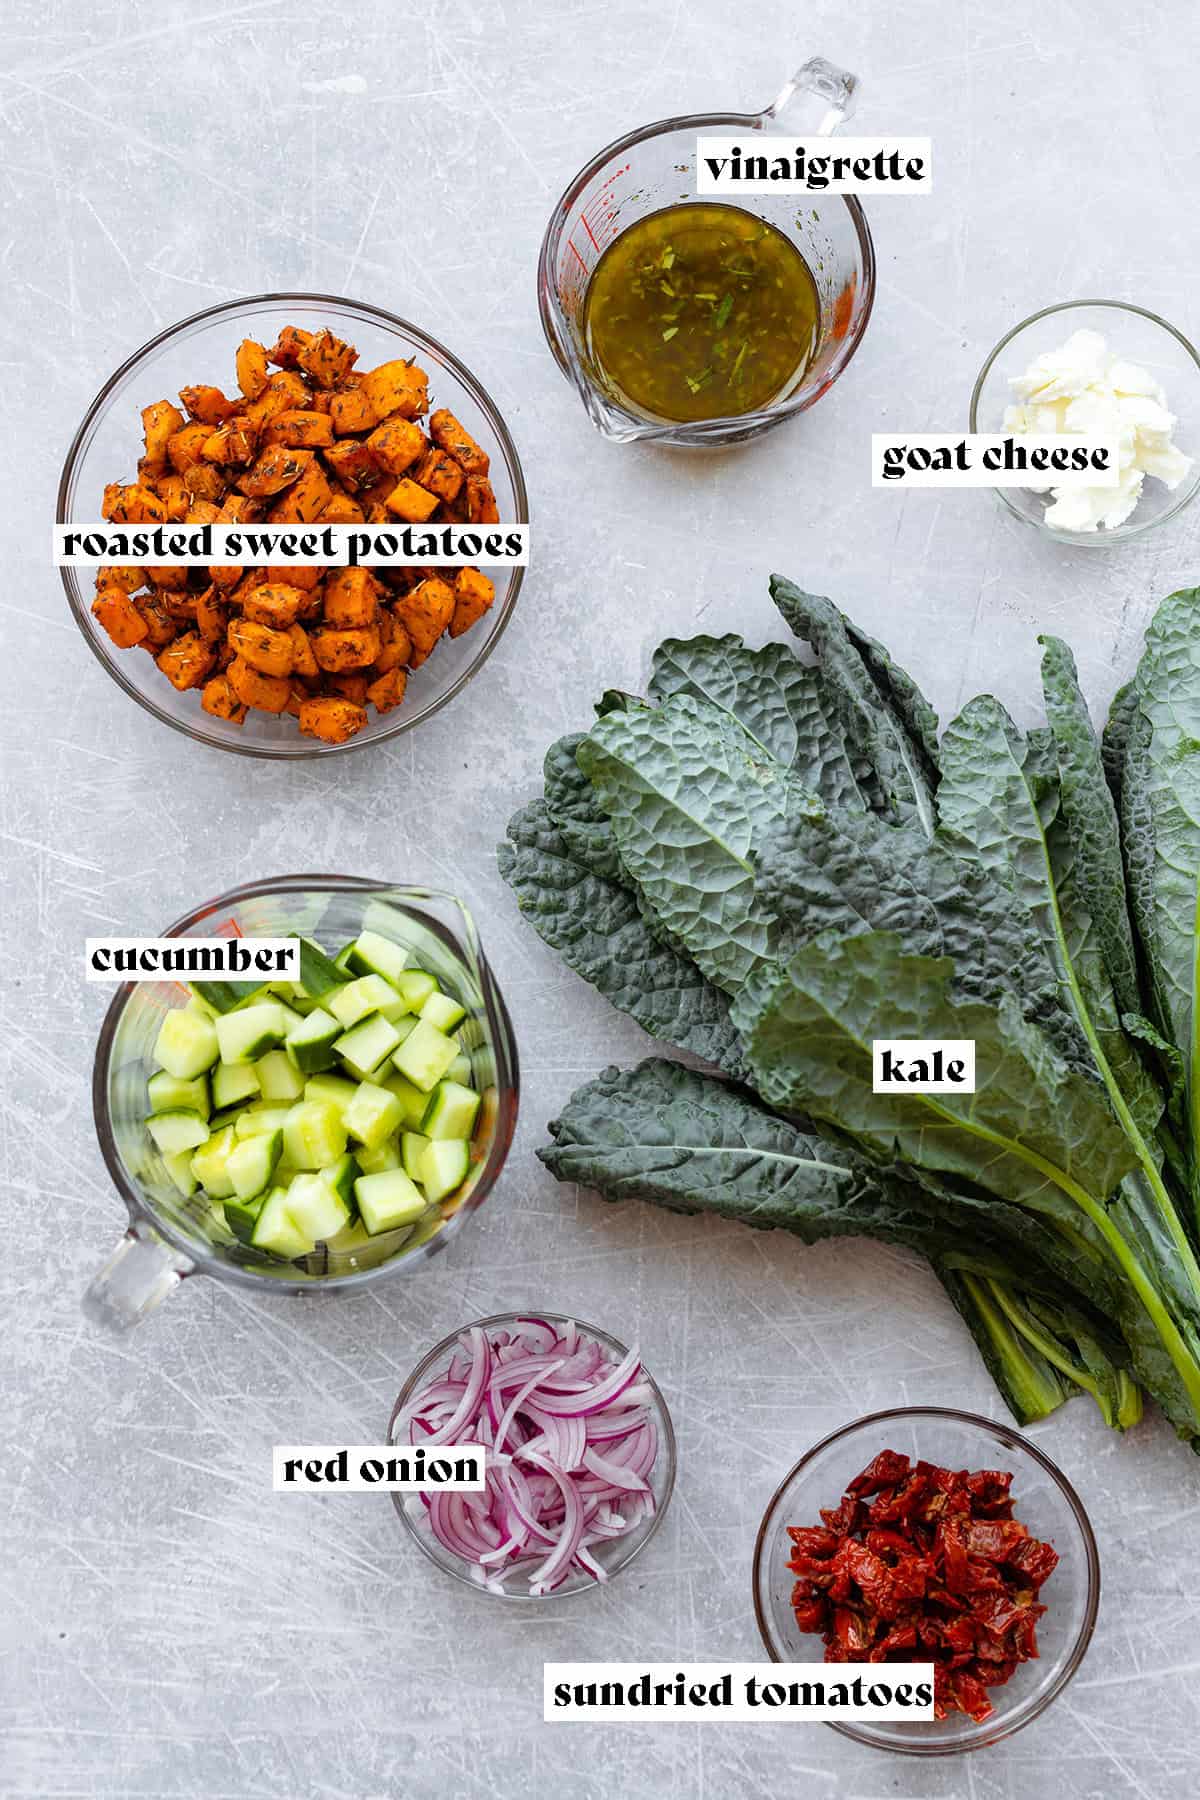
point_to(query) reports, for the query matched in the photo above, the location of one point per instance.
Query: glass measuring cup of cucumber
(311, 1135)
(686, 322)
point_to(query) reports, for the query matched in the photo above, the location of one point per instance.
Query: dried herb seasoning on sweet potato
(306, 437)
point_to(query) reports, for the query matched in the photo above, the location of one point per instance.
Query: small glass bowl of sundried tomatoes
(925, 1535)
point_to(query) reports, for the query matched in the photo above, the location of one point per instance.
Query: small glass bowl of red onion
(579, 1454)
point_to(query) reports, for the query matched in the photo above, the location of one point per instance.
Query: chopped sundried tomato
(922, 1563)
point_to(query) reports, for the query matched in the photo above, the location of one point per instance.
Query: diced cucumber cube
(425, 1055)
(452, 1111)
(319, 974)
(275, 1229)
(278, 1076)
(257, 1121)
(388, 1200)
(209, 1164)
(383, 1156)
(404, 1024)
(363, 1049)
(167, 1093)
(412, 1099)
(359, 999)
(413, 1145)
(234, 1082)
(179, 1168)
(186, 1044)
(333, 1090)
(314, 1135)
(223, 996)
(176, 1131)
(373, 1114)
(344, 959)
(443, 1011)
(316, 1208)
(246, 1035)
(310, 1044)
(444, 1167)
(241, 1216)
(252, 1164)
(414, 987)
(341, 1177)
(198, 1004)
(462, 1069)
(373, 954)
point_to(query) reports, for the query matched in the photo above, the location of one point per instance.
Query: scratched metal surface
(168, 1629)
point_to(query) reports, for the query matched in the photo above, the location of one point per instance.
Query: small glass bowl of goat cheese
(1101, 369)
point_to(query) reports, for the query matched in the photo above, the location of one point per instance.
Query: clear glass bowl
(613, 1556)
(170, 1237)
(1044, 1500)
(1137, 336)
(201, 348)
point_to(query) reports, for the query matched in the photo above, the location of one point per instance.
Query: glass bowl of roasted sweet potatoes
(300, 408)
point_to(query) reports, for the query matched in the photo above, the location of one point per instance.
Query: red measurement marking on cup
(575, 252)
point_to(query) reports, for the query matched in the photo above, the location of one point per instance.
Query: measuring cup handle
(837, 88)
(139, 1274)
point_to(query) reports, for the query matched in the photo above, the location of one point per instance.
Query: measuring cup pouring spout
(655, 168)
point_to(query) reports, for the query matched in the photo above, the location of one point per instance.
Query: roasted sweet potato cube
(232, 442)
(180, 607)
(303, 661)
(397, 445)
(212, 615)
(131, 504)
(342, 510)
(298, 576)
(326, 359)
(305, 500)
(449, 435)
(351, 597)
(186, 661)
(126, 576)
(119, 617)
(184, 447)
(351, 410)
(171, 576)
(207, 404)
(172, 491)
(473, 594)
(397, 387)
(481, 501)
(331, 719)
(412, 503)
(397, 645)
(337, 651)
(160, 422)
(387, 690)
(269, 693)
(220, 700)
(203, 512)
(285, 391)
(438, 471)
(239, 509)
(354, 464)
(303, 430)
(425, 614)
(277, 468)
(268, 651)
(160, 626)
(285, 351)
(276, 604)
(204, 481)
(351, 685)
(251, 366)
(253, 578)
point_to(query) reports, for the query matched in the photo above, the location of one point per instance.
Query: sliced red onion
(570, 1438)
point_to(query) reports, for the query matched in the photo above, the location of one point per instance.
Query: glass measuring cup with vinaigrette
(687, 321)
